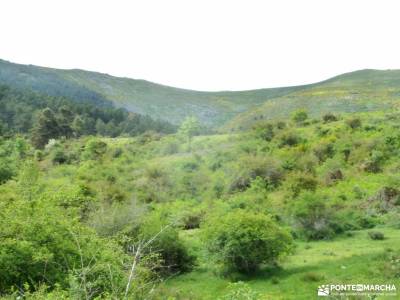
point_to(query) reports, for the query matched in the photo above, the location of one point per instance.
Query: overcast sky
(204, 44)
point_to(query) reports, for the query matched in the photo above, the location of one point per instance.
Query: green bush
(376, 235)
(313, 218)
(302, 182)
(289, 138)
(94, 149)
(59, 157)
(324, 150)
(173, 253)
(299, 116)
(242, 241)
(6, 172)
(40, 243)
(329, 117)
(354, 123)
(253, 167)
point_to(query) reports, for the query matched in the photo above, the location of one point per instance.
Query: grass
(354, 259)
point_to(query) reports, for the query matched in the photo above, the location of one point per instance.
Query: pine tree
(64, 120)
(46, 128)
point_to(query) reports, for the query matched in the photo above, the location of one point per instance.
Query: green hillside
(158, 101)
(73, 214)
(365, 90)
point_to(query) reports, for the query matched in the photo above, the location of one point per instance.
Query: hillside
(140, 96)
(365, 90)
(331, 186)
(359, 91)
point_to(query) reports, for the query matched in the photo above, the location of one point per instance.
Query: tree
(45, 129)
(64, 120)
(78, 126)
(300, 116)
(242, 241)
(189, 128)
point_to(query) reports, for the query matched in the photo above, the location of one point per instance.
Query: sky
(204, 44)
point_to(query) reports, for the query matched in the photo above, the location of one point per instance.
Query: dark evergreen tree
(45, 129)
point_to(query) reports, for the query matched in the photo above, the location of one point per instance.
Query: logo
(357, 289)
(323, 290)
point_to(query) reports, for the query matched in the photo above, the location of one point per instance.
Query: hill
(359, 91)
(140, 96)
(365, 90)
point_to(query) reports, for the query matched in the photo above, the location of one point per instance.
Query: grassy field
(346, 259)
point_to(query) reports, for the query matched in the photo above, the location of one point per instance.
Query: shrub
(94, 149)
(299, 116)
(376, 235)
(59, 157)
(301, 182)
(289, 139)
(313, 218)
(41, 243)
(242, 241)
(253, 167)
(324, 150)
(173, 253)
(265, 131)
(353, 123)
(117, 152)
(6, 172)
(329, 117)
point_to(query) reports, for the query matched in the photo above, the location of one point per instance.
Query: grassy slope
(366, 90)
(343, 260)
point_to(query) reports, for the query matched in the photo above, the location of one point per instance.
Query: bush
(289, 139)
(173, 253)
(324, 151)
(301, 182)
(94, 149)
(313, 218)
(117, 152)
(6, 172)
(376, 235)
(253, 167)
(374, 163)
(265, 131)
(329, 117)
(353, 123)
(59, 157)
(242, 241)
(299, 116)
(40, 243)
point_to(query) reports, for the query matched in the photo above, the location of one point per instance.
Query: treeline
(46, 117)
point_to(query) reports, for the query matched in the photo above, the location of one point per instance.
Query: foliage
(174, 255)
(242, 241)
(313, 217)
(299, 116)
(376, 235)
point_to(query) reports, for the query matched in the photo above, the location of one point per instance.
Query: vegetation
(242, 241)
(142, 212)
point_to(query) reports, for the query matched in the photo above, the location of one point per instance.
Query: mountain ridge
(213, 108)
